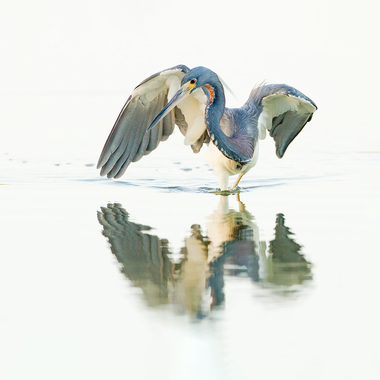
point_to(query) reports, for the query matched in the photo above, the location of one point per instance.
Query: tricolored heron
(194, 100)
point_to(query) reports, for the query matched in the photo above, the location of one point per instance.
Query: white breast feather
(193, 109)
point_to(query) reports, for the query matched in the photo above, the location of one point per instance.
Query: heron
(194, 100)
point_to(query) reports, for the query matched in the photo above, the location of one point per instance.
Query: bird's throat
(211, 93)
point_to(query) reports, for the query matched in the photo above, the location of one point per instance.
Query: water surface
(158, 276)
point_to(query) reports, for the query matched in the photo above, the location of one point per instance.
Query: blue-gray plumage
(195, 101)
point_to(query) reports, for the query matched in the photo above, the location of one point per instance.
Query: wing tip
(103, 171)
(99, 164)
(280, 153)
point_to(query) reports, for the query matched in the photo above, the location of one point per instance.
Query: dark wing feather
(286, 127)
(129, 139)
(282, 110)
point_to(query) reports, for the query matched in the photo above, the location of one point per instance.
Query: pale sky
(327, 49)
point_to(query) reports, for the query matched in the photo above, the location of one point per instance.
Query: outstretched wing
(283, 111)
(129, 139)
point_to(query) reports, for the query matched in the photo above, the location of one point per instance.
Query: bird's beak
(181, 94)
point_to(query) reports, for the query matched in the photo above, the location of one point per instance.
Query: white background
(74, 51)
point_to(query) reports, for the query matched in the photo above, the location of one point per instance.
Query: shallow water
(157, 276)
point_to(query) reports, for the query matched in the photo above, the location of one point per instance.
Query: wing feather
(168, 124)
(129, 139)
(142, 148)
(129, 136)
(146, 139)
(283, 111)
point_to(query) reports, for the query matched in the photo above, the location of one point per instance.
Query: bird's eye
(193, 81)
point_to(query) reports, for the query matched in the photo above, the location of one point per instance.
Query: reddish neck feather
(211, 92)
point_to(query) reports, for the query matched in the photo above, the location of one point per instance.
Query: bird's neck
(215, 106)
(231, 147)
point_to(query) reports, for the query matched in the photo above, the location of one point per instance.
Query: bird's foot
(230, 191)
(224, 193)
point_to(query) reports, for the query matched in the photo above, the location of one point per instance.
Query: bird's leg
(222, 178)
(235, 185)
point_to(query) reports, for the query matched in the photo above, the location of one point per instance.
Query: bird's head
(199, 77)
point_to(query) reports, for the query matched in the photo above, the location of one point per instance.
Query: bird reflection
(144, 257)
(286, 266)
(195, 283)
